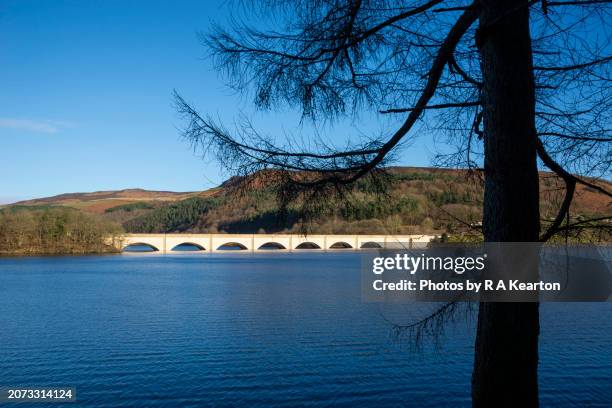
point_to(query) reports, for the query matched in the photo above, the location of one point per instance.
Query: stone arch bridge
(266, 242)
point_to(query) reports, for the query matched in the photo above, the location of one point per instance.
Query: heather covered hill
(99, 201)
(418, 200)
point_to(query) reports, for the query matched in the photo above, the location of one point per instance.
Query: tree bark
(506, 349)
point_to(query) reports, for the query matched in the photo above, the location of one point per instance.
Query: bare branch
(585, 138)
(577, 3)
(341, 168)
(439, 106)
(570, 186)
(574, 67)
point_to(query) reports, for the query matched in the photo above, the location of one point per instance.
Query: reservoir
(258, 330)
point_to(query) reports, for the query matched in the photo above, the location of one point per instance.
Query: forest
(412, 201)
(408, 203)
(54, 230)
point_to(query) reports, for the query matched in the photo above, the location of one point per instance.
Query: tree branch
(570, 188)
(438, 106)
(573, 67)
(577, 3)
(354, 164)
(444, 53)
(585, 138)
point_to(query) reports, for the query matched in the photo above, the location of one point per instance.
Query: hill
(418, 200)
(99, 201)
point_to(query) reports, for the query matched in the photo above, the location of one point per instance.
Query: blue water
(262, 330)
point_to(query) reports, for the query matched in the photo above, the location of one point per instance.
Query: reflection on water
(257, 330)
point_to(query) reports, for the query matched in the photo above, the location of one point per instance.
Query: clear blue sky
(85, 96)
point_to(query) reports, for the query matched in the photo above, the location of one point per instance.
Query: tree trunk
(506, 350)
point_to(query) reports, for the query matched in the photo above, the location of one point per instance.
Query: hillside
(419, 200)
(98, 202)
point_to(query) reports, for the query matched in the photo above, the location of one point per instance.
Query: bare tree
(504, 81)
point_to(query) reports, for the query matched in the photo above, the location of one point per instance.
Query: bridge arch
(371, 245)
(188, 247)
(341, 245)
(232, 246)
(272, 246)
(308, 245)
(139, 247)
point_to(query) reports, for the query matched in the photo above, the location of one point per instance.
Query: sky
(85, 97)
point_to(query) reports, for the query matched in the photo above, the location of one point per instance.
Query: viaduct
(262, 242)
